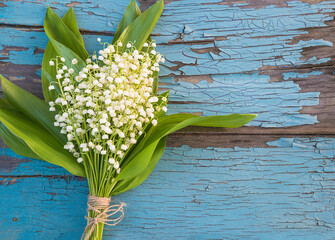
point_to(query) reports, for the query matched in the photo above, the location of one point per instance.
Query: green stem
(98, 230)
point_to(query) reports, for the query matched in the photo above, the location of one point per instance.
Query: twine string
(105, 213)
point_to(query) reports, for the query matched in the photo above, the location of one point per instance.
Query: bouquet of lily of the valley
(102, 117)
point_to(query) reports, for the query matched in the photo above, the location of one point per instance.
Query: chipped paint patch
(73, 4)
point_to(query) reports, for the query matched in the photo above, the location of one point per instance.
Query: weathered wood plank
(12, 164)
(283, 191)
(258, 92)
(98, 15)
(237, 59)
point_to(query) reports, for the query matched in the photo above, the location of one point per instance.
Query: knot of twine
(102, 206)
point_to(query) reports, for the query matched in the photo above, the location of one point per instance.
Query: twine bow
(104, 211)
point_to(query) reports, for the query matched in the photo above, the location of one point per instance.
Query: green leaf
(13, 142)
(137, 166)
(70, 21)
(169, 124)
(57, 30)
(131, 13)
(5, 104)
(31, 106)
(127, 185)
(40, 141)
(139, 30)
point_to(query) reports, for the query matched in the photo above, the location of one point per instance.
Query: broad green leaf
(56, 29)
(171, 123)
(70, 21)
(137, 166)
(139, 30)
(13, 142)
(5, 104)
(127, 185)
(40, 141)
(33, 107)
(131, 13)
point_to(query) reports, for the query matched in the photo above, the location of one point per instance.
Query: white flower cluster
(105, 108)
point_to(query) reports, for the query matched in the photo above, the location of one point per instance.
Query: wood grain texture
(273, 179)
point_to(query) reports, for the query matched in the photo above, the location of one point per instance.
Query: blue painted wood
(283, 191)
(100, 15)
(222, 57)
(225, 93)
(255, 39)
(245, 93)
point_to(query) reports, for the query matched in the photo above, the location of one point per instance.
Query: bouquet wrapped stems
(100, 212)
(93, 230)
(102, 117)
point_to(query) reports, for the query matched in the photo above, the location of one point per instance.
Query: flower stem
(98, 230)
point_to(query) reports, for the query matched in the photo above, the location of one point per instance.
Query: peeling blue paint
(284, 191)
(226, 20)
(97, 15)
(244, 93)
(240, 93)
(240, 54)
(23, 43)
(255, 38)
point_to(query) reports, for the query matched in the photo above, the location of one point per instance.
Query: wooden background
(273, 179)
